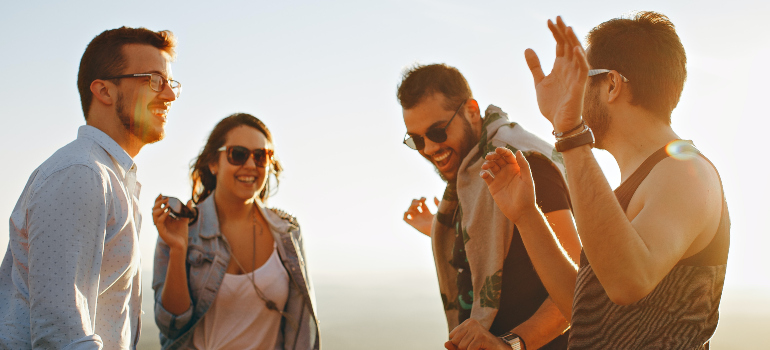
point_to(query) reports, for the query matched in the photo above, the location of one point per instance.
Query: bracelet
(560, 134)
(585, 130)
(577, 140)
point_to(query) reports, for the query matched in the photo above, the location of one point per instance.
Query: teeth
(159, 111)
(246, 178)
(441, 156)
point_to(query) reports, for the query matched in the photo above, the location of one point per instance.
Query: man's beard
(596, 117)
(140, 130)
(469, 140)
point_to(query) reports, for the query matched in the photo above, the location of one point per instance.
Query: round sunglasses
(238, 155)
(417, 142)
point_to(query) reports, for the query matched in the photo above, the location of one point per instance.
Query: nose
(431, 147)
(167, 93)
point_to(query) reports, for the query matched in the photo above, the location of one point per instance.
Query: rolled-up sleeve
(67, 217)
(169, 324)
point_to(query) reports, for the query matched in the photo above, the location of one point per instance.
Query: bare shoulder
(682, 196)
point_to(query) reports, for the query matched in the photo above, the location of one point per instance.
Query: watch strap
(584, 138)
(514, 341)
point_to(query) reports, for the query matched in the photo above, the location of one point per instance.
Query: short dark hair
(104, 56)
(204, 182)
(645, 49)
(421, 81)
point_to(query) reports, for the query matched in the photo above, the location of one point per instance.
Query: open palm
(560, 93)
(511, 187)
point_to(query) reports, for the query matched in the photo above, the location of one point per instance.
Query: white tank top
(238, 318)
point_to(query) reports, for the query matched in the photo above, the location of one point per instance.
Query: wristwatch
(514, 341)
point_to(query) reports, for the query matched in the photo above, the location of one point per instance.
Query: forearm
(176, 295)
(545, 325)
(612, 245)
(553, 265)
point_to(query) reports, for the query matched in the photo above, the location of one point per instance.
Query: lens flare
(681, 150)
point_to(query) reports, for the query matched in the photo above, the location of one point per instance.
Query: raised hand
(560, 93)
(511, 187)
(419, 216)
(172, 231)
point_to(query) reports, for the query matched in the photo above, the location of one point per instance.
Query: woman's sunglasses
(417, 142)
(238, 155)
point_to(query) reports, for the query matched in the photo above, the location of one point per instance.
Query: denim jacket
(207, 261)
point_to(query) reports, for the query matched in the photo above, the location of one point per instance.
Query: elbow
(627, 291)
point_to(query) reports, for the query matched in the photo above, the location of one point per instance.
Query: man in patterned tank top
(655, 251)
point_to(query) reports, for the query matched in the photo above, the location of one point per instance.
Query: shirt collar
(105, 141)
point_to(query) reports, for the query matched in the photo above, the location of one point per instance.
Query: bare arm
(513, 191)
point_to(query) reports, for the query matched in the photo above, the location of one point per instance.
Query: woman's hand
(560, 94)
(172, 231)
(419, 216)
(510, 182)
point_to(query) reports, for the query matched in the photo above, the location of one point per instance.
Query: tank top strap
(626, 190)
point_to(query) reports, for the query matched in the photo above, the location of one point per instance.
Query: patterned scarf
(484, 232)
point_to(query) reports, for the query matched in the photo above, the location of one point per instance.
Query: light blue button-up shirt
(70, 278)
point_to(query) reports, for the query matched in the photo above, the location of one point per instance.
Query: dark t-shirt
(522, 292)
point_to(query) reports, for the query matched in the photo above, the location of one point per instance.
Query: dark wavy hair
(421, 81)
(203, 181)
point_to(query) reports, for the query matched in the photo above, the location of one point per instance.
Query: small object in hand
(177, 209)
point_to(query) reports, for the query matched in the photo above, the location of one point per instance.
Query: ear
(472, 109)
(213, 168)
(102, 92)
(615, 87)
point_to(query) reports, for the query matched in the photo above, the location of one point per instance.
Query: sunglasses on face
(417, 142)
(239, 155)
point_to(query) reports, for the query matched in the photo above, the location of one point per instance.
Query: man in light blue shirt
(70, 278)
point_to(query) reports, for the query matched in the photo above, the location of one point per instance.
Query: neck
(231, 209)
(111, 125)
(633, 137)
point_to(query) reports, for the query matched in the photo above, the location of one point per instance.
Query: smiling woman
(247, 286)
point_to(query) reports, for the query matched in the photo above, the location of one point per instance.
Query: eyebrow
(160, 73)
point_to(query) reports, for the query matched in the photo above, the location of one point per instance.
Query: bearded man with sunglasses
(492, 296)
(71, 278)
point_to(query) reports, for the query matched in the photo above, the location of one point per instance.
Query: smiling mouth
(441, 158)
(159, 112)
(246, 179)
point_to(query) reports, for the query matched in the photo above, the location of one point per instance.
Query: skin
(133, 99)
(547, 323)
(236, 209)
(673, 215)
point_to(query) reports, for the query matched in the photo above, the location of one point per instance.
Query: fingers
(557, 35)
(450, 346)
(436, 201)
(526, 173)
(534, 65)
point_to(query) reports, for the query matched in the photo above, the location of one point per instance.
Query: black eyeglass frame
(417, 142)
(261, 156)
(175, 86)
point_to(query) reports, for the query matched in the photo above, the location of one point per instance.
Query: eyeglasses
(417, 142)
(239, 155)
(593, 72)
(157, 82)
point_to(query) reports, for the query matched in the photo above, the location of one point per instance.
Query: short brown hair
(104, 56)
(421, 81)
(645, 49)
(204, 182)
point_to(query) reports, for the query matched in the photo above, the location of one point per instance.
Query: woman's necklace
(269, 303)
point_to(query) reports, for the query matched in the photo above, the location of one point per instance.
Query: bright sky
(323, 77)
